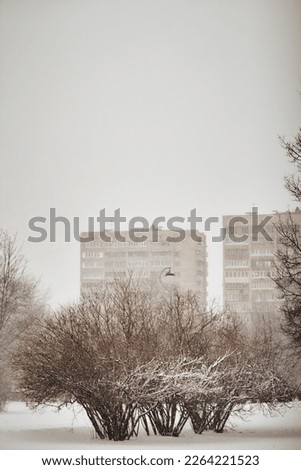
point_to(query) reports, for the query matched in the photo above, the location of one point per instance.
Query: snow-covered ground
(46, 428)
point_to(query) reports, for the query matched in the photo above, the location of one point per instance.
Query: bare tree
(87, 352)
(19, 305)
(287, 275)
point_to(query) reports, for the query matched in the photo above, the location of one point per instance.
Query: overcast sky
(155, 107)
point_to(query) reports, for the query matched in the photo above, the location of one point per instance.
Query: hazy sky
(155, 107)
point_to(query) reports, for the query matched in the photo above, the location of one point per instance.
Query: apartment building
(148, 260)
(249, 259)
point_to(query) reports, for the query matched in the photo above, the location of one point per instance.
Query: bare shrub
(130, 358)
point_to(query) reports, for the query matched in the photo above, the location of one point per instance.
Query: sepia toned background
(154, 107)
